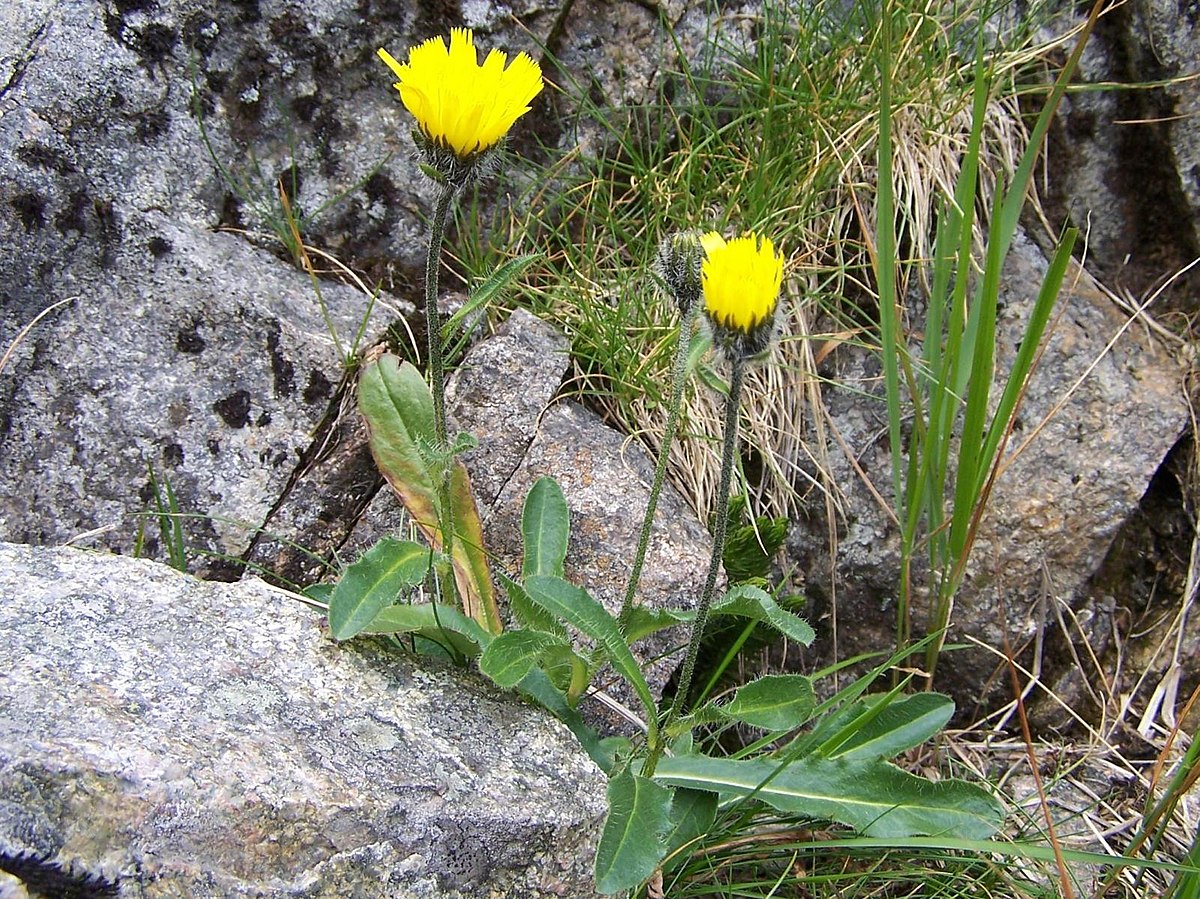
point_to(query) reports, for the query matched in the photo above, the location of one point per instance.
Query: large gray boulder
(170, 737)
(1124, 162)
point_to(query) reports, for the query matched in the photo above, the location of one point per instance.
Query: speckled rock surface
(498, 394)
(195, 352)
(179, 738)
(1124, 164)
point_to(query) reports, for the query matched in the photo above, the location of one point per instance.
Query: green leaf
(472, 571)
(374, 582)
(631, 846)
(873, 797)
(751, 602)
(395, 401)
(513, 654)
(773, 702)
(692, 815)
(899, 725)
(398, 407)
(546, 528)
(499, 279)
(644, 621)
(441, 624)
(577, 608)
(526, 612)
(750, 546)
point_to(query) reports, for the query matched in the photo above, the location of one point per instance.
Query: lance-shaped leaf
(773, 702)
(472, 573)
(576, 607)
(545, 528)
(631, 846)
(890, 726)
(874, 797)
(512, 655)
(692, 815)
(398, 408)
(373, 583)
(441, 624)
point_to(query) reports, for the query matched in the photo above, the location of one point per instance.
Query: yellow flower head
(459, 104)
(741, 280)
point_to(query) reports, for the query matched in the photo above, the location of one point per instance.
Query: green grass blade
(489, 290)
(1031, 341)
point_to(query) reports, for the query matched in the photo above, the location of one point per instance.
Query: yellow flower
(459, 104)
(741, 280)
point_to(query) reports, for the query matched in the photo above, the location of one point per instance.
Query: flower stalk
(437, 375)
(740, 281)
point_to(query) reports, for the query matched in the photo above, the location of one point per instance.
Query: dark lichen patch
(155, 43)
(188, 340)
(159, 246)
(291, 32)
(73, 217)
(283, 371)
(231, 212)
(200, 33)
(328, 128)
(249, 10)
(438, 16)
(151, 124)
(43, 157)
(172, 455)
(213, 445)
(31, 210)
(305, 107)
(319, 387)
(234, 409)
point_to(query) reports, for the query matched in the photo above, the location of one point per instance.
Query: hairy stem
(437, 378)
(728, 447)
(687, 327)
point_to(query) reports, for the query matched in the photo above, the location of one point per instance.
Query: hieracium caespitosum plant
(678, 264)
(463, 112)
(740, 282)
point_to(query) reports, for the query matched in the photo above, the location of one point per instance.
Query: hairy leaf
(773, 702)
(873, 797)
(746, 601)
(546, 528)
(631, 846)
(513, 654)
(373, 583)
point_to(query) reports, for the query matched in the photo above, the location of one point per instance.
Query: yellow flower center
(741, 280)
(457, 102)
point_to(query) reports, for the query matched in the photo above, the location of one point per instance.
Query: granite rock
(173, 737)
